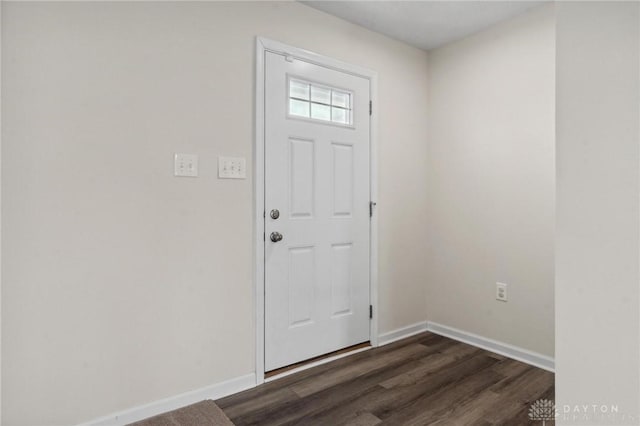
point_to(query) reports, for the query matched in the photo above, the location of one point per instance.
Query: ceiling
(425, 24)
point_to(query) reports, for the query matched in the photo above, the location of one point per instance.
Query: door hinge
(370, 107)
(372, 204)
(264, 236)
(370, 311)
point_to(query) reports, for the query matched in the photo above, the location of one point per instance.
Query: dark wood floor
(423, 380)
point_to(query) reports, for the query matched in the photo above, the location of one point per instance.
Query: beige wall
(597, 237)
(121, 284)
(490, 182)
(1, 7)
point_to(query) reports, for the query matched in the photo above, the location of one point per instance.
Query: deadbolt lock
(275, 213)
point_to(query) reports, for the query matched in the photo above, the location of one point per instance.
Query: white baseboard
(401, 333)
(216, 391)
(510, 351)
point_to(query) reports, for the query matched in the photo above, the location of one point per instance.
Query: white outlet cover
(501, 292)
(185, 165)
(232, 168)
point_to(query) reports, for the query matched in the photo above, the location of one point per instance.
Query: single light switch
(186, 165)
(232, 168)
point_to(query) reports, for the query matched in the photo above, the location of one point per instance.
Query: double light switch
(228, 167)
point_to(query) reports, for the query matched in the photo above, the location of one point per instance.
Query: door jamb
(263, 46)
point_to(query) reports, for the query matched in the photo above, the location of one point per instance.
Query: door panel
(301, 282)
(342, 160)
(317, 177)
(302, 161)
(341, 272)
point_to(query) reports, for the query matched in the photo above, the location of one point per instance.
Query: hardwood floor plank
(381, 402)
(511, 368)
(429, 339)
(471, 412)
(429, 365)
(431, 407)
(259, 401)
(438, 345)
(406, 396)
(292, 411)
(364, 419)
(461, 350)
(525, 385)
(318, 371)
(423, 380)
(307, 375)
(337, 376)
(344, 412)
(497, 356)
(518, 393)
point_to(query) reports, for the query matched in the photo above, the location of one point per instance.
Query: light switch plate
(232, 168)
(185, 165)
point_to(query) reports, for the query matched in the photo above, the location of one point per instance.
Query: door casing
(264, 45)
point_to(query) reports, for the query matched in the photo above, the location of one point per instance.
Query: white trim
(141, 412)
(373, 223)
(258, 215)
(0, 217)
(402, 333)
(315, 364)
(264, 45)
(510, 351)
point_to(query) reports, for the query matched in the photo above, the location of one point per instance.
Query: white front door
(317, 200)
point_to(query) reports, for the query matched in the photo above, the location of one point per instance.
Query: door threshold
(313, 362)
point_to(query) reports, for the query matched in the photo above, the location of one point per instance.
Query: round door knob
(275, 237)
(275, 213)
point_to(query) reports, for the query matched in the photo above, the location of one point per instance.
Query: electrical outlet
(501, 292)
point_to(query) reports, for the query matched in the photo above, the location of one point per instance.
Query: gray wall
(121, 284)
(598, 187)
(490, 182)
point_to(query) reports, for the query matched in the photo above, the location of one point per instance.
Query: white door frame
(264, 45)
